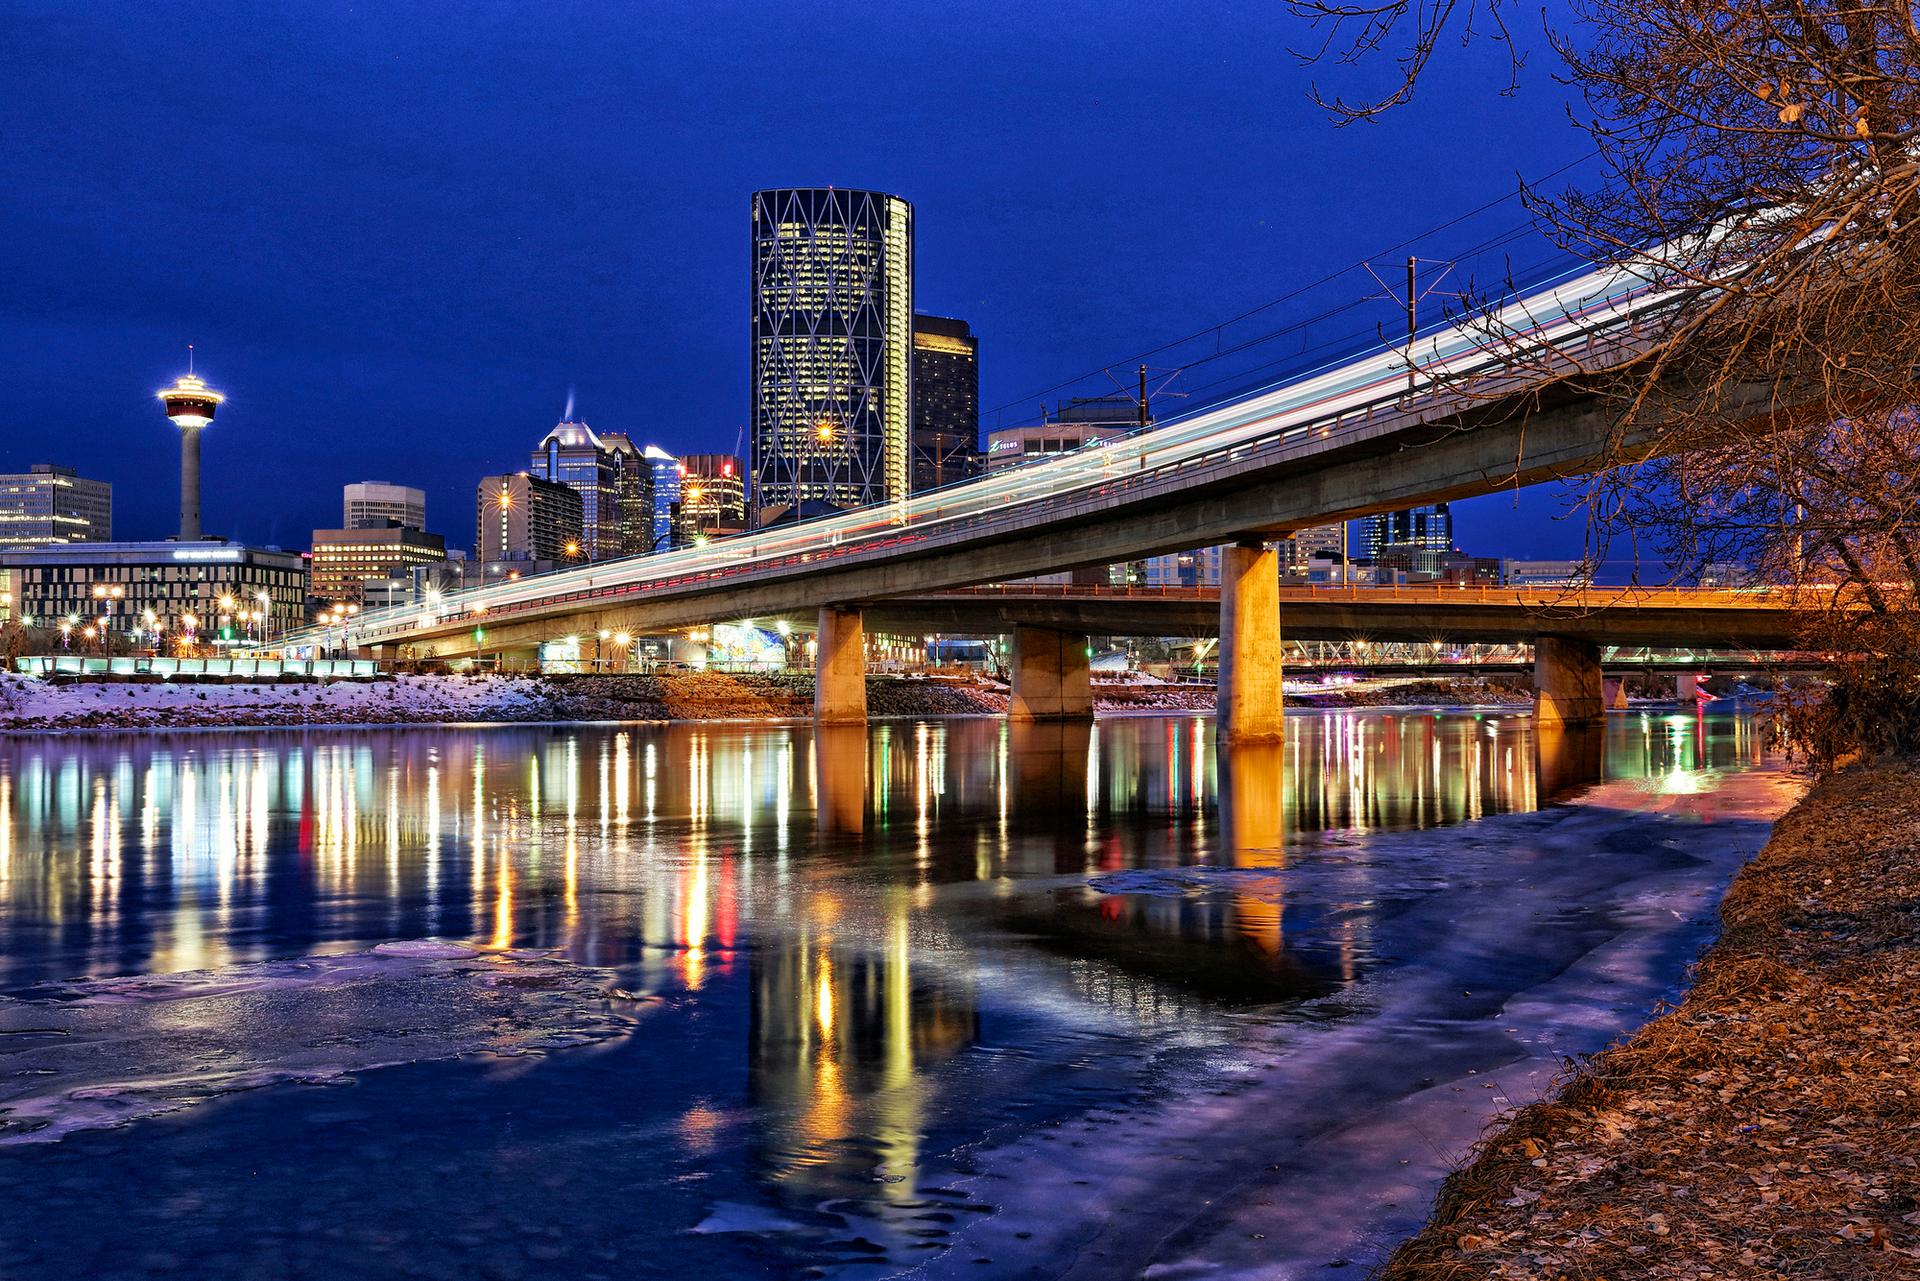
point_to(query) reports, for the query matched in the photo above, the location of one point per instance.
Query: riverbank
(32, 705)
(1769, 1125)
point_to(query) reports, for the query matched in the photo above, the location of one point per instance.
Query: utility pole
(1143, 398)
(1413, 312)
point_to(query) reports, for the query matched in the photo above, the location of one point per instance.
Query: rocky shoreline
(1769, 1125)
(28, 705)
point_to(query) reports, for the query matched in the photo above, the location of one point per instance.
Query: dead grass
(1768, 1127)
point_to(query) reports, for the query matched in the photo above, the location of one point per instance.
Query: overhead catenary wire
(1506, 236)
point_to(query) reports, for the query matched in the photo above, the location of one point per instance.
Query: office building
(1411, 540)
(1548, 573)
(520, 517)
(345, 560)
(144, 591)
(616, 498)
(1076, 423)
(946, 403)
(832, 353)
(1310, 551)
(663, 470)
(375, 504)
(48, 504)
(713, 496)
(632, 495)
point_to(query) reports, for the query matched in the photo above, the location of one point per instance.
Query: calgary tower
(191, 405)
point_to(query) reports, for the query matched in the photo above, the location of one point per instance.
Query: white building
(371, 504)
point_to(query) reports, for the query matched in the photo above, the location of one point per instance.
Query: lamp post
(599, 639)
(621, 641)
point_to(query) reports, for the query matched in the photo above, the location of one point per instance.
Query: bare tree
(1759, 168)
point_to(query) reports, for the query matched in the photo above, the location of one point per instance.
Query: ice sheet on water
(103, 1052)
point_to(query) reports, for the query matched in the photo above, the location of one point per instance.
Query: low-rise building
(149, 589)
(345, 560)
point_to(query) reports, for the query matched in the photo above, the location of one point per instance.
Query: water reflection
(851, 890)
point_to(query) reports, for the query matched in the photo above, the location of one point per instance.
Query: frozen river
(948, 998)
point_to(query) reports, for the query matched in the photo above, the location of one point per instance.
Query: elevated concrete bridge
(1346, 442)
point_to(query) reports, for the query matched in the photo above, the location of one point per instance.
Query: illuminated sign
(207, 553)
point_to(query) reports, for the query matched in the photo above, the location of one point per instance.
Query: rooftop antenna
(189, 360)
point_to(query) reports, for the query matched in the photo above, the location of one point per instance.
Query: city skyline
(449, 299)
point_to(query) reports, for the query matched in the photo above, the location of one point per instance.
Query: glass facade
(1412, 539)
(832, 350)
(664, 471)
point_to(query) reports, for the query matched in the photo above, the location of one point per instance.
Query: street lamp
(603, 636)
(621, 641)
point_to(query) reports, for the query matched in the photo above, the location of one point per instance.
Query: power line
(1292, 294)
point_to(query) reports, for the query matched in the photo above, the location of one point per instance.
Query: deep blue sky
(398, 234)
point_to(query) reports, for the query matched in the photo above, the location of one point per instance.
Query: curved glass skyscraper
(832, 349)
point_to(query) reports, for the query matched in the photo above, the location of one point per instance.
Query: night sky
(399, 234)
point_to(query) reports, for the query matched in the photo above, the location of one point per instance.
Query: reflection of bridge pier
(1047, 766)
(1568, 757)
(1253, 812)
(840, 778)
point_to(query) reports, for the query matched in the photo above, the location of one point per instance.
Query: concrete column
(840, 677)
(1566, 682)
(1686, 687)
(1250, 703)
(1613, 693)
(1050, 677)
(190, 484)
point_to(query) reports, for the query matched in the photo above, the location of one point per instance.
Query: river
(932, 998)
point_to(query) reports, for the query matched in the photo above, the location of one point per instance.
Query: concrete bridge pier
(840, 673)
(1686, 687)
(1251, 708)
(1613, 693)
(1051, 677)
(1567, 682)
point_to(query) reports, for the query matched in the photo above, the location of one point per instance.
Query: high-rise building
(713, 496)
(664, 471)
(572, 455)
(1412, 539)
(946, 403)
(344, 561)
(523, 517)
(633, 495)
(48, 504)
(375, 504)
(832, 354)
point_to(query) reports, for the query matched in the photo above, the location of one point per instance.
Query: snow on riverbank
(31, 704)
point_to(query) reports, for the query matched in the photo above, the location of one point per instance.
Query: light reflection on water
(881, 904)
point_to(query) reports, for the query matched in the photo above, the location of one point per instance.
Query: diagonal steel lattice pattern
(832, 349)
